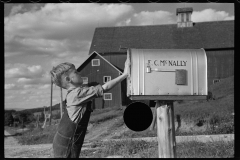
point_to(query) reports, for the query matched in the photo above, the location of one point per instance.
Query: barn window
(85, 80)
(107, 96)
(216, 81)
(96, 62)
(106, 79)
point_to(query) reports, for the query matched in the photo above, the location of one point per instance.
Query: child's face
(75, 77)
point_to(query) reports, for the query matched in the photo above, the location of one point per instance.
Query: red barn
(97, 70)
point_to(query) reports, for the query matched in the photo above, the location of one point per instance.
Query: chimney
(184, 17)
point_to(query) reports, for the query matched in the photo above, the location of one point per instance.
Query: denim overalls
(68, 140)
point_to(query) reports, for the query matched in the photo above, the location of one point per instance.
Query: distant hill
(16, 109)
(41, 109)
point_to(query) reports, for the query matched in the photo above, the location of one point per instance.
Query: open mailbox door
(167, 74)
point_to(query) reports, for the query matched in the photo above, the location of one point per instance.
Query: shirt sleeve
(88, 93)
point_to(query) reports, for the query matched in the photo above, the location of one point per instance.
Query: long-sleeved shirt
(77, 99)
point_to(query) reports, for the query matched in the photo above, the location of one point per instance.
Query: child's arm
(110, 84)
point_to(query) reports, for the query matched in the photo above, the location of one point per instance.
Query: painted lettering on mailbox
(167, 62)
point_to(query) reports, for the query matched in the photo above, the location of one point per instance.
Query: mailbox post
(165, 76)
(166, 129)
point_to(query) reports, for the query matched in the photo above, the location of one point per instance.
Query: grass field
(143, 149)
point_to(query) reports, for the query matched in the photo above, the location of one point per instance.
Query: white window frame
(188, 17)
(96, 60)
(109, 78)
(85, 80)
(216, 81)
(104, 94)
(182, 17)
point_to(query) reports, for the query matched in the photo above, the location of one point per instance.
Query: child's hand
(127, 67)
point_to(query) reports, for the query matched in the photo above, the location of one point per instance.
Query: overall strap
(65, 101)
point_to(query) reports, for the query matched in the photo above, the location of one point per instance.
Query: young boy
(71, 131)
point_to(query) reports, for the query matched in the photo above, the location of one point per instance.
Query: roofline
(224, 48)
(103, 59)
(184, 10)
(163, 24)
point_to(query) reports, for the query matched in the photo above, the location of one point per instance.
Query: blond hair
(58, 71)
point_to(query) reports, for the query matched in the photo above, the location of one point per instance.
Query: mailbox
(167, 74)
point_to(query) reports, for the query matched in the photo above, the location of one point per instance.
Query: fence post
(37, 121)
(166, 129)
(46, 116)
(51, 102)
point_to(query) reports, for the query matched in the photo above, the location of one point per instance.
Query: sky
(38, 36)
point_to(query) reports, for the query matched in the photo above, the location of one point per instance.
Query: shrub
(31, 126)
(8, 119)
(15, 124)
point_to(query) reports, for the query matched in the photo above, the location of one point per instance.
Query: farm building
(97, 70)
(216, 38)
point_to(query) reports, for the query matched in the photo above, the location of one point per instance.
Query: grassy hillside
(210, 117)
(202, 117)
(223, 88)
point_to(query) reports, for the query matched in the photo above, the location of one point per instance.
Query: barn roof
(207, 35)
(184, 10)
(91, 56)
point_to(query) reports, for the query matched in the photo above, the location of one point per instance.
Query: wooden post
(51, 103)
(44, 110)
(46, 116)
(37, 121)
(166, 129)
(154, 118)
(61, 102)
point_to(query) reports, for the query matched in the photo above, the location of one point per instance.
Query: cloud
(28, 86)
(26, 92)
(210, 15)
(164, 17)
(24, 80)
(10, 86)
(24, 71)
(149, 18)
(27, 75)
(9, 97)
(64, 21)
(19, 86)
(44, 86)
(15, 9)
(58, 30)
(34, 81)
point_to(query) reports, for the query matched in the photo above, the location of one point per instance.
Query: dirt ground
(12, 149)
(96, 133)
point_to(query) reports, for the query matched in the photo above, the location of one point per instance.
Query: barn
(216, 38)
(98, 70)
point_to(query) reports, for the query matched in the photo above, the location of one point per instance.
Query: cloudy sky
(40, 36)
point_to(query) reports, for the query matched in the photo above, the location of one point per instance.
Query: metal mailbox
(167, 74)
